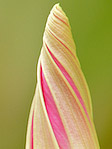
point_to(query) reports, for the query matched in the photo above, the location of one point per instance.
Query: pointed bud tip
(57, 16)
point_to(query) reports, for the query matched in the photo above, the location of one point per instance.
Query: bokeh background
(22, 25)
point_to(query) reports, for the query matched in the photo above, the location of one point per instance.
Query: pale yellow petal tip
(57, 9)
(57, 6)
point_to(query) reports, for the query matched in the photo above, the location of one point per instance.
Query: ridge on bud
(61, 112)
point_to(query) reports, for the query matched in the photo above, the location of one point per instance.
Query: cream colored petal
(42, 135)
(65, 53)
(79, 131)
(67, 86)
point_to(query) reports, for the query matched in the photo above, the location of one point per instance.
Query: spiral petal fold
(61, 112)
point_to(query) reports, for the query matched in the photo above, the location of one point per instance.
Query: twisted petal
(61, 112)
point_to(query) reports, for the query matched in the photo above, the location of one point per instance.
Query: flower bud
(61, 112)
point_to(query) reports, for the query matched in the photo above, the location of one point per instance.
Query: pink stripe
(32, 131)
(53, 115)
(64, 45)
(60, 19)
(69, 79)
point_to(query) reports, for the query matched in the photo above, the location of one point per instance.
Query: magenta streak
(63, 45)
(60, 19)
(53, 115)
(69, 79)
(32, 131)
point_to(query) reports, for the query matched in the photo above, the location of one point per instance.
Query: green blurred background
(22, 24)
